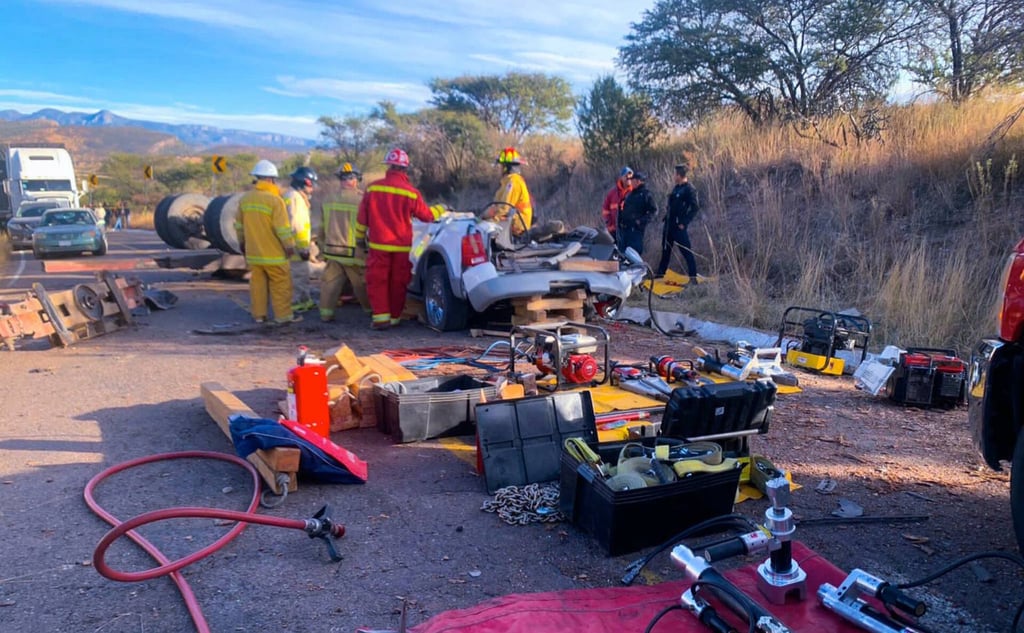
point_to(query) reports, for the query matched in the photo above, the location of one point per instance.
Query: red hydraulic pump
(576, 368)
(308, 394)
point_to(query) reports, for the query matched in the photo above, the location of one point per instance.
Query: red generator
(929, 377)
(308, 394)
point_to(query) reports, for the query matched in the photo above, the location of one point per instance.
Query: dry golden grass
(912, 230)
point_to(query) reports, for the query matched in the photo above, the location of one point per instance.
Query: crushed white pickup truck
(463, 264)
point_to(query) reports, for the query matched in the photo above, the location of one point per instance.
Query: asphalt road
(127, 248)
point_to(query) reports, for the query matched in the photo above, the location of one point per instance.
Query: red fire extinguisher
(308, 395)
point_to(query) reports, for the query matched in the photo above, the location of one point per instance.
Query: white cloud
(354, 93)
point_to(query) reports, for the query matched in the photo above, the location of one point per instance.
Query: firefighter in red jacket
(384, 224)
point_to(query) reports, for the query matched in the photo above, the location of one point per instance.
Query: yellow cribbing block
(389, 369)
(349, 368)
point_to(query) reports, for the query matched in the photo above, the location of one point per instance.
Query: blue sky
(276, 66)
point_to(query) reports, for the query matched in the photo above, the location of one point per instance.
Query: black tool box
(929, 377)
(625, 521)
(519, 441)
(727, 412)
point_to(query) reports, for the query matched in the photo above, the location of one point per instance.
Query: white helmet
(264, 169)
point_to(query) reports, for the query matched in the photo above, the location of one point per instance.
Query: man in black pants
(683, 208)
(637, 210)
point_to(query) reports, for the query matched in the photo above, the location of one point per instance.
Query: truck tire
(219, 222)
(179, 221)
(443, 310)
(1017, 490)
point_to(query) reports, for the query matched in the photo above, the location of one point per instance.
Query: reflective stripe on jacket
(512, 190)
(386, 212)
(338, 230)
(264, 230)
(298, 211)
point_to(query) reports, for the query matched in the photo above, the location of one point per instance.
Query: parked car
(996, 389)
(68, 231)
(27, 218)
(464, 264)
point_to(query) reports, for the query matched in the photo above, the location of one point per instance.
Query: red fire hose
(320, 526)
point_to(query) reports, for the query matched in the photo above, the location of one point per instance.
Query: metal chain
(522, 505)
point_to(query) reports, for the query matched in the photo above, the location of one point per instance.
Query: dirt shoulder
(415, 530)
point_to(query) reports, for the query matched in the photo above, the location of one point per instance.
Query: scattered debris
(981, 573)
(826, 486)
(918, 495)
(848, 509)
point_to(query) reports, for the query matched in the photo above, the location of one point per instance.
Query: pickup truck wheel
(1017, 490)
(443, 310)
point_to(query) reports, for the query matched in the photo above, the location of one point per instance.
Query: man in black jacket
(683, 208)
(637, 210)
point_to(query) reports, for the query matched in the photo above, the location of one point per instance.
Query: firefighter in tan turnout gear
(268, 242)
(296, 199)
(345, 260)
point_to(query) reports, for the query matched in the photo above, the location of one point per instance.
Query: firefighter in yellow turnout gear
(512, 196)
(296, 199)
(266, 237)
(346, 261)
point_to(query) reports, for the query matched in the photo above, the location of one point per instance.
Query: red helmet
(397, 158)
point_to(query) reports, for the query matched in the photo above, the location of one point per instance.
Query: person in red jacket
(614, 199)
(384, 225)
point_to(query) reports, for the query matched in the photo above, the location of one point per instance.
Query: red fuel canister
(308, 394)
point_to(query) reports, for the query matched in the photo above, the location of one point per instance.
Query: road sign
(147, 171)
(94, 180)
(220, 164)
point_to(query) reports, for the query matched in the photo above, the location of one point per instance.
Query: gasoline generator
(929, 377)
(573, 354)
(813, 336)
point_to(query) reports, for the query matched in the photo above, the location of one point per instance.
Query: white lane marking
(17, 273)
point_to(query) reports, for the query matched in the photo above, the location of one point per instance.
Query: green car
(68, 231)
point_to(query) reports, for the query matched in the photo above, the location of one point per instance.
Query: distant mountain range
(199, 136)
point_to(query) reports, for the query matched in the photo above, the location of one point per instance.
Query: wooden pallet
(540, 309)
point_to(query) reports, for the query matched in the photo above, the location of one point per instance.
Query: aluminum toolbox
(422, 409)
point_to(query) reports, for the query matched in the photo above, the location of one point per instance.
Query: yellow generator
(812, 336)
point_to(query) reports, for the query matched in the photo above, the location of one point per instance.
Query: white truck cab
(35, 172)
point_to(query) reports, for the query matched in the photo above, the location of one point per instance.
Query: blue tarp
(249, 434)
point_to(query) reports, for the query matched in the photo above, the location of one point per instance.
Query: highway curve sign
(147, 171)
(220, 164)
(94, 180)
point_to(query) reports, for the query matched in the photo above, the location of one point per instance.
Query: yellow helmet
(346, 169)
(509, 156)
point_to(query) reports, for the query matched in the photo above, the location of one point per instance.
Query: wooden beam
(585, 264)
(221, 404)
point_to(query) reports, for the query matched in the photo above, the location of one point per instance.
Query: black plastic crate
(629, 520)
(728, 407)
(417, 410)
(520, 441)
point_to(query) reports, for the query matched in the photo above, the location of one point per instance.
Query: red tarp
(619, 609)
